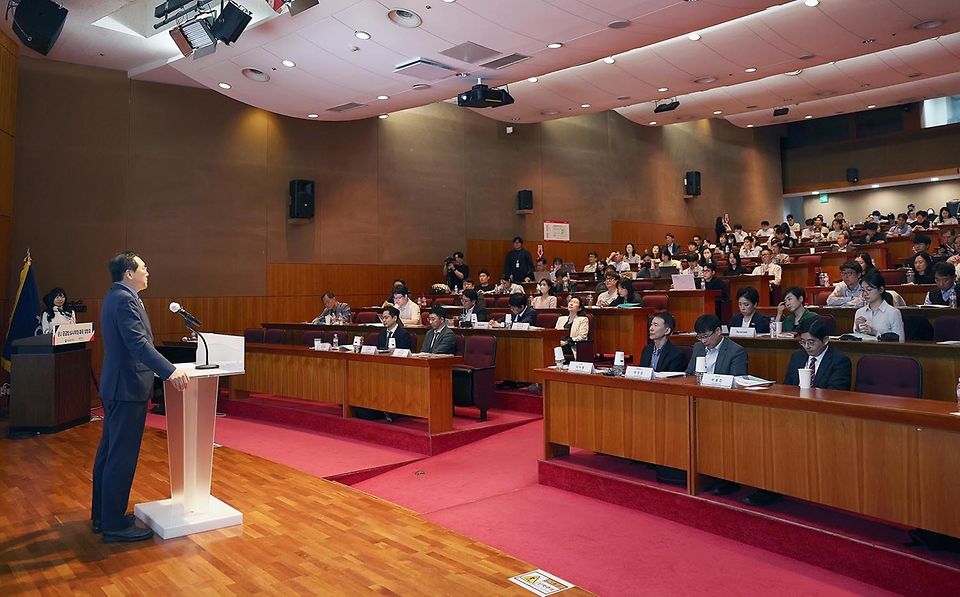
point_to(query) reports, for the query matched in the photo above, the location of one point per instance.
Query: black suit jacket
(671, 359)
(480, 310)
(832, 374)
(528, 315)
(401, 335)
(442, 342)
(758, 322)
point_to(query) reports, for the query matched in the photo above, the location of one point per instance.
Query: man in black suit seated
(831, 371)
(473, 305)
(392, 328)
(439, 339)
(662, 354)
(945, 276)
(521, 312)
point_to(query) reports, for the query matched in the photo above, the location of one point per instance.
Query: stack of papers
(749, 381)
(666, 374)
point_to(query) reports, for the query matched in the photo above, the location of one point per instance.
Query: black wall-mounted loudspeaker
(38, 24)
(691, 183)
(852, 175)
(525, 199)
(301, 198)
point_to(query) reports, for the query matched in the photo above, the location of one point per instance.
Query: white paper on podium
(225, 350)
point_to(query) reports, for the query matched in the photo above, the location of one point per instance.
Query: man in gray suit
(724, 356)
(439, 339)
(126, 382)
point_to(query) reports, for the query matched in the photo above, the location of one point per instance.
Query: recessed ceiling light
(872, 106)
(808, 116)
(874, 186)
(794, 73)
(420, 87)
(618, 24)
(705, 80)
(914, 75)
(652, 122)
(928, 24)
(934, 179)
(288, 63)
(404, 18)
(808, 57)
(584, 105)
(751, 106)
(382, 116)
(449, 1)
(623, 97)
(609, 60)
(750, 70)
(550, 112)
(383, 97)
(717, 112)
(555, 45)
(533, 79)
(694, 37)
(815, 193)
(811, 3)
(832, 62)
(826, 93)
(313, 116)
(864, 84)
(515, 119)
(662, 89)
(869, 40)
(255, 74)
(749, 126)
(361, 35)
(224, 85)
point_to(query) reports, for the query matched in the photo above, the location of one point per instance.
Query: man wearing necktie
(393, 328)
(439, 339)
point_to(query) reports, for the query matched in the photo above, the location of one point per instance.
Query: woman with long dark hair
(56, 314)
(878, 317)
(734, 265)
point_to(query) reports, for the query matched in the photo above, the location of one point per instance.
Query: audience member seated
(878, 316)
(768, 268)
(765, 229)
(469, 284)
(779, 257)
(847, 291)
(901, 228)
(645, 269)
(722, 228)
(486, 284)
(948, 243)
(691, 265)
(944, 219)
(521, 312)
(564, 283)
(540, 267)
(671, 245)
(812, 231)
(545, 299)
(518, 264)
(630, 254)
(726, 246)
(922, 267)
(591, 266)
(945, 277)
(409, 310)
(392, 328)
(610, 283)
(734, 265)
(577, 326)
(507, 287)
(793, 225)
(866, 262)
(738, 234)
(794, 299)
(661, 354)
(836, 227)
(872, 235)
(616, 260)
(843, 243)
(396, 284)
(710, 281)
(626, 295)
(922, 223)
(656, 254)
(556, 267)
(747, 300)
(439, 339)
(782, 234)
(669, 261)
(747, 250)
(473, 305)
(339, 312)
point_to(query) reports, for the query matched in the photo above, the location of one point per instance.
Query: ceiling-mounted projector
(661, 108)
(481, 96)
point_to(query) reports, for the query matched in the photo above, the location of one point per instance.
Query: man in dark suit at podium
(126, 382)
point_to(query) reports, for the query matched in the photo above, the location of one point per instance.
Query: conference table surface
(895, 459)
(418, 386)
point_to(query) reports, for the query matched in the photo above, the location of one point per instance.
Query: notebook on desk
(684, 282)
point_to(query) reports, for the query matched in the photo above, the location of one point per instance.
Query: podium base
(168, 519)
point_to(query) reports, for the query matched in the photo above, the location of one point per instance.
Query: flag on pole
(25, 319)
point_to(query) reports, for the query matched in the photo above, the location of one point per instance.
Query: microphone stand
(206, 351)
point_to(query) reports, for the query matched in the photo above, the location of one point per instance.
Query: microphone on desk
(176, 308)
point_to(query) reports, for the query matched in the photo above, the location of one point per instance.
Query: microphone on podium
(176, 308)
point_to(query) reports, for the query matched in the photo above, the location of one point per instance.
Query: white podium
(191, 419)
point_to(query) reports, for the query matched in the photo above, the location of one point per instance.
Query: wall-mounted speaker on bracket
(301, 199)
(524, 201)
(853, 176)
(691, 183)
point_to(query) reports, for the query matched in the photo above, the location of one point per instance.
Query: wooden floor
(301, 535)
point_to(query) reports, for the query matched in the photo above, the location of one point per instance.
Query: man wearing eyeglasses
(847, 292)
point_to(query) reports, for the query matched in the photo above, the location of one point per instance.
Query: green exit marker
(824, 198)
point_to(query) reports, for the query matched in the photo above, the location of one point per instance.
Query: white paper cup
(813, 250)
(316, 343)
(805, 376)
(701, 364)
(775, 328)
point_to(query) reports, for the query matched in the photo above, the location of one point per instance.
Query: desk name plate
(401, 352)
(743, 332)
(639, 372)
(581, 367)
(717, 381)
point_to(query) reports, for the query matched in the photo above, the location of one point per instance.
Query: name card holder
(581, 367)
(369, 349)
(401, 352)
(391, 343)
(743, 332)
(639, 372)
(316, 343)
(716, 380)
(323, 346)
(481, 325)
(521, 326)
(357, 342)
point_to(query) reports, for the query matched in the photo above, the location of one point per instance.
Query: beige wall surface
(198, 183)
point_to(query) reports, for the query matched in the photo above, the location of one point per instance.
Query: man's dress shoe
(725, 488)
(762, 497)
(131, 533)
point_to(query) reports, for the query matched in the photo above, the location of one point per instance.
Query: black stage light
(666, 107)
(781, 111)
(230, 24)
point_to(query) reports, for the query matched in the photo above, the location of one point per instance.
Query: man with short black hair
(901, 228)
(473, 304)
(724, 356)
(765, 229)
(747, 250)
(610, 283)
(783, 234)
(409, 310)
(945, 277)
(948, 243)
(921, 244)
(671, 245)
(872, 235)
(591, 266)
(518, 263)
(392, 328)
(846, 293)
(768, 268)
(439, 339)
(520, 311)
(922, 222)
(484, 281)
(843, 243)
(661, 354)
(456, 271)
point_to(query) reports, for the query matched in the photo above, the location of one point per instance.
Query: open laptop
(668, 270)
(684, 282)
(537, 276)
(569, 266)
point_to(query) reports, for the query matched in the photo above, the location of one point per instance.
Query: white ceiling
(840, 72)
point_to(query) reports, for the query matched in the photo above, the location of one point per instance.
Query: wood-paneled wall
(8, 131)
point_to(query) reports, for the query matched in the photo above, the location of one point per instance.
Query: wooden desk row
(844, 316)
(895, 459)
(415, 386)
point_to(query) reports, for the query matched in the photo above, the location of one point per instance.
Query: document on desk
(751, 382)
(666, 374)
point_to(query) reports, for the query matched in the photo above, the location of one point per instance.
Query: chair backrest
(823, 296)
(481, 351)
(253, 335)
(443, 300)
(947, 327)
(489, 301)
(893, 376)
(309, 337)
(830, 323)
(341, 335)
(547, 320)
(458, 351)
(641, 285)
(275, 336)
(371, 338)
(686, 350)
(367, 317)
(893, 277)
(413, 343)
(814, 259)
(503, 301)
(427, 302)
(657, 302)
(424, 317)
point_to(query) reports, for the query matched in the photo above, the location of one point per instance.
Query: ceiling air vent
(505, 61)
(345, 107)
(425, 70)
(470, 52)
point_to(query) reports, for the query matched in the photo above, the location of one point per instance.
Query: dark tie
(389, 335)
(813, 370)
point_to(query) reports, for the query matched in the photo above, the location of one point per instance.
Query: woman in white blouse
(55, 314)
(878, 316)
(578, 327)
(545, 300)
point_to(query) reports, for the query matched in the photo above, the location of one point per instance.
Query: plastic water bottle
(336, 341)
(909, 276)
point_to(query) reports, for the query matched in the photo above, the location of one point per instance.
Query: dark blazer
(401, 335)
(833, 373)
(480, 310)
(936, 297)
(528, 315)
(443, 341)
(129, 357)
(671, 359)
(759, 322)
(732, 359)
(674, 249)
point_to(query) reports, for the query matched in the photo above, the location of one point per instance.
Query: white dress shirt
(885, 319)
(772, 269)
